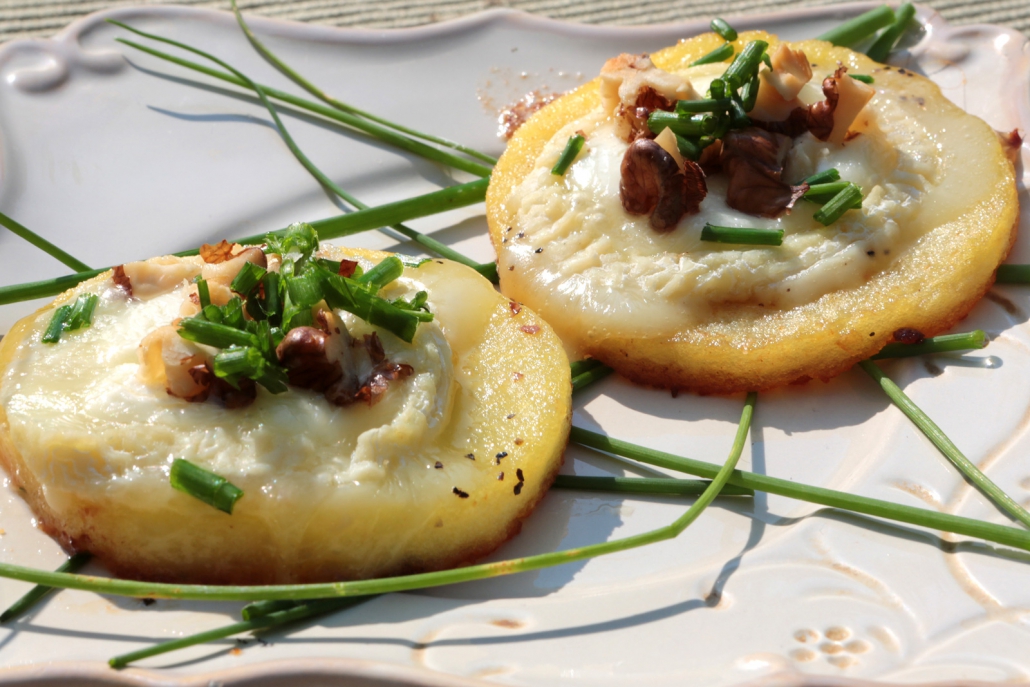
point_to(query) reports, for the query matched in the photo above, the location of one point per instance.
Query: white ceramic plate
(119, 159)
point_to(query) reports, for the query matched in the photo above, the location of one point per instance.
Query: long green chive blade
(725, 31)
(214, 333)
(259, 609)
(585, 379)
(342, 106)
(339, 293)
(744, 65)
(41, 243)
(967, 341)
(57, 324)
(82, 311)
(921, 420)
(568, 155)
(858, 29)
(720, 54)
(293, 613)
(382, 133)
(910, 515)
(824, 177)
(40, 592)
(430, 243)
(864, 78)
(402, 582)
(884, 44)
(742, 235)
(644, 485)
(16, 293)
(1013, 274)
(700, 106)
(382, 274)
(204, 485)
(578, 367)
(849, 198)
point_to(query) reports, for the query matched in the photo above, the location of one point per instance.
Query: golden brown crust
(750, 347)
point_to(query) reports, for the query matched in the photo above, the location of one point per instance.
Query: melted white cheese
(604, 271)
(84, 420)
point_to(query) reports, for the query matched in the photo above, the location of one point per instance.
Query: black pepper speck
(500, 477)
(460, 493)
(439, 465)
(502, 454)
(539, 250)
(518, 488)
(470, 456)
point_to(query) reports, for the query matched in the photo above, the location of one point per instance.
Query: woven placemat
(42, 18)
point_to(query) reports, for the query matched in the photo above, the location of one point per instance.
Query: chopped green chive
(214, 333)
(347, 295)
(742, 235)
(644, 485)
(921, 420)
(40, 592)
(249, 276)
(884, 44)
(82, 311)
(382, 274)
(688, 147)
(720, 54)
(204, 485)
(580, 366)
(305, 291)
(572, 148)
(717, 89)
(967, 341)
(744, 65)
(824, 193)
(725, 31)
(858, 29)
(689, 107)
(57, 323)
(864, 78)
(848, 198)
(590, 376)
(1013, 274)
(694, 125)
(203, 293)
(749, 93)
(738, 115)
(824, 177)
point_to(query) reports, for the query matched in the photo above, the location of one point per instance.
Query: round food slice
(614, 253)
(374, 456)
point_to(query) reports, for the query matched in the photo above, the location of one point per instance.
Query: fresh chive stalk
(720, 54)
(585, 379)
(1013, 274)
(382, 274)
(568, 155)
(430, 243)
(44, 245)
(946, 343)
(40, 592)
(203, 293)
(204, 485)
(864, 78)
(824, 193)
(860, 28)
(694, 125)
(294, 613)
(824, 177)
(885, 42)
(921, 420)
(384, 134)
(744, 65)
(725, 31)
(738, 114)
(356, 222)
(689, 107)
(102, 585)
(249, 276)
(82, 311)
(644, 485)
(259, 609)
(57, 324)
(749, 93)
(910, 515)
(717, 89)
(214, 333)
(847, 199)
(578, 367)
(742, 235)
(689, 147)
(342, 106)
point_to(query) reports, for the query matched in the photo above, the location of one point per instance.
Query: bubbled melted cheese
(85, 421)
(602, 271)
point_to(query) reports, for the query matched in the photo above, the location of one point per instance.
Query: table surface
(43, 18)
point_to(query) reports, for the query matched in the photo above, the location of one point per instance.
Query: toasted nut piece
(790, 71)
(303, 353)
(852, 96)
(156, 276)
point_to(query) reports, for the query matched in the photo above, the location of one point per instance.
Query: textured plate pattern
(117, 159)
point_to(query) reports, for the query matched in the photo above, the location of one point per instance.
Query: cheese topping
(604, 271)
(84, 420)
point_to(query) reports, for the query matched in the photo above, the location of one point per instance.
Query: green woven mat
(41, 18)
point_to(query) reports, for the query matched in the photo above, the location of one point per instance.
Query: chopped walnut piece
(224, 272)
(790, 71)
(652, 184)
(214, 254)
(378, 382)
(303, 353)
(150, 278)
(233, 397)
(374, 346)
(170, 361)
(829, 119)
(121, 280)
(753, 160)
